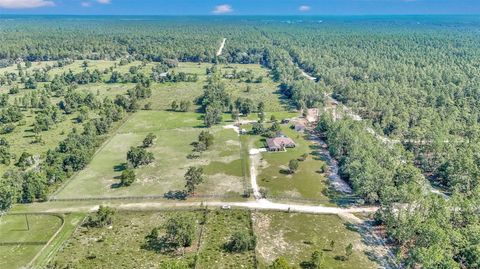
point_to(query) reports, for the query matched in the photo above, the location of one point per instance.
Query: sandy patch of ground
(232, 142)
(233, 127)
(223, 183)
(257, 151)
(273, 243)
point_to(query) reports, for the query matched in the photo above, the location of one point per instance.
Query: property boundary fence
(255, 258)
(200, 236)
(146, 197)
(103, 145)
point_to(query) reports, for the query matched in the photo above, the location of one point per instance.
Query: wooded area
(417, 83)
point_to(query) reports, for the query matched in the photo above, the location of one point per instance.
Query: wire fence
(24, 243)
(335, 200)
(145, 197)
(255, 253)
(200, 236)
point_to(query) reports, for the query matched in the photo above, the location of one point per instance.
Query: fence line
(255, 258)
(26, 243)
(146, 197)
(103, 145)
(200, 236)
(299, 199)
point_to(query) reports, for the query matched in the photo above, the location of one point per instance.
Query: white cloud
(86, 4)
(222, 9)
(104, 1)
(22, 4)
(304, 8)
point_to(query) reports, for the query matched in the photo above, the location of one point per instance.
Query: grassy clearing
(122, 245)
(71, 221)
(221, 225)
(296, 236)
(101, 65)
(306, 183)
(22, 139)
(102, 90)
(266, 91)
(150, 121)
(20, 242)
(162, 96)
(175, 132)
(35, 65)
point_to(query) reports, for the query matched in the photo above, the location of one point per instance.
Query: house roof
(279, 142)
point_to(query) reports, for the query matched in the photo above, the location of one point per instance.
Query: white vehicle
(226, 207)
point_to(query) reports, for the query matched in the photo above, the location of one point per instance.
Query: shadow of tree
(285, 172)
(116, 185)
(160, 245)
(120, 167)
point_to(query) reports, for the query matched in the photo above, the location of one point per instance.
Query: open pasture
(23, 236)
(296, 236)
(220, 226)
(123, 245)
(163, 94)
(175, 132)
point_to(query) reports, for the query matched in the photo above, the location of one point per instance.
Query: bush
(7, 128)
(139, 156)
(293, 166)
(25, 160)
(303, 157)
(148, 141)
(101, 218)
(240, 242)
(179, 233)
(127, 177)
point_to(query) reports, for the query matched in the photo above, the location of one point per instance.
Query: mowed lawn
(306, 183)
(175, 132)
(19, 242)
(297, 236)
(123, 245)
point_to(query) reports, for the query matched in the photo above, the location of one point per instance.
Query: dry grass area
(297, 236)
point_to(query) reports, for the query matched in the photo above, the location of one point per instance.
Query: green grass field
(22, 139)
(163, 94)
(122, 245)
(71, 222)
(266, 91)
(306, 183)
(20, 242)
(226, 168)
(293, 236)
(296, 236)
(175, 132)
(221, 225)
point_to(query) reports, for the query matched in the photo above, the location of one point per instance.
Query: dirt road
(220, 50)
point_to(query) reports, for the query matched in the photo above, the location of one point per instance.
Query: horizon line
(258, 15)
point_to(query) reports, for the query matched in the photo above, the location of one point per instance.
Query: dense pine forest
(414, 80)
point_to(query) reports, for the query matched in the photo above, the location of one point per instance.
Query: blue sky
(239, 7)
